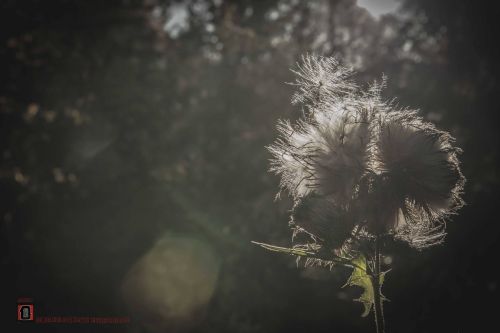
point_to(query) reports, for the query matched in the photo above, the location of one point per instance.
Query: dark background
(116, 126)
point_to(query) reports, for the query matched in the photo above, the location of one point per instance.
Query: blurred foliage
(121, 120)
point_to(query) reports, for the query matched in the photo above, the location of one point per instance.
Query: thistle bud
(322, 219)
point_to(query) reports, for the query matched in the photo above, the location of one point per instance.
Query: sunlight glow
(379, 7)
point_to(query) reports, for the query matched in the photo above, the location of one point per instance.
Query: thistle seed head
(356, 165)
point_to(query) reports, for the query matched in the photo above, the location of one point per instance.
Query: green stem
(378, 307)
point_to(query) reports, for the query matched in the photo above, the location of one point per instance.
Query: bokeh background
(134, 171)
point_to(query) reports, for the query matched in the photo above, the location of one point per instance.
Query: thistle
(359, 170)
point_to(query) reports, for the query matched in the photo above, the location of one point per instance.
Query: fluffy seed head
(357, 165)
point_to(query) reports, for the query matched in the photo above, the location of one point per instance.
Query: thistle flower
(321, 80)
(421, 171)
(358, 169)
(325, 155)
(356, 165)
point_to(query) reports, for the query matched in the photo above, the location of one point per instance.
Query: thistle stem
(378, 306)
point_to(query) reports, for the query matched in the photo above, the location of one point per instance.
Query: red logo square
(25, 312)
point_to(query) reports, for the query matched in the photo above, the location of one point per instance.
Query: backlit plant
(360, 170)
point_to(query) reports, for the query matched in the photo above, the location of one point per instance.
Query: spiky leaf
(361, 278)
(292, 251)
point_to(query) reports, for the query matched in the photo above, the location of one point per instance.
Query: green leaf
(361, 278)
(302, 252)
